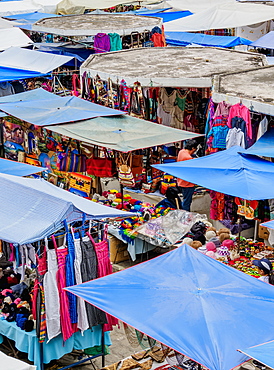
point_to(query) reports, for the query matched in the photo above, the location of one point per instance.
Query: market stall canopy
(31, 60)
(53, 109)
(172, 66)
(17, 7)
(79, 6)
(262, 353)
(32, 209)
(264, 146)
(224, 15)
(266, 41)
(190, 302)
(196, 6)
(47, 6)
(229, 172)
(122, 133)
(91, 24)
(13, 37)
(10, 363)
(6, 24)
(186, 38)
(253, 88)
(18, 169)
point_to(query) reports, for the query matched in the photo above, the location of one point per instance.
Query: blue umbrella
(17, 168)
(263, 353)
(189, 302)
(229, 172)
(264, 146)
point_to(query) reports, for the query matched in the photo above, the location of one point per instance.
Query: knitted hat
(187, 241)
(228, 243)
(211, 247)
(196, 244)
(216, 241)
(210, 234)
(223, 251)
(211, 254)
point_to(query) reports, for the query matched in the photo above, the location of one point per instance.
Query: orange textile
(157, 40)
(184, 156)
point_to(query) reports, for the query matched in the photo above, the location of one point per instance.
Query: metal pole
(103, 346)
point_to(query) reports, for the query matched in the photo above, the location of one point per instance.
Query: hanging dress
(66, 327)
(52, 301)
(81, 306)
(89, 272)
(104, 268)
(70, 279)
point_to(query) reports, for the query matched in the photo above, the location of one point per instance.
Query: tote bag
(101, 167)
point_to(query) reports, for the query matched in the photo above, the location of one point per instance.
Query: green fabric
(96, 350)
(181, 102)
(115, 42)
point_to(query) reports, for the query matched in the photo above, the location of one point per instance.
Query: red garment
(184, 156)
(104, 268)
(240, 110)
(157, 39)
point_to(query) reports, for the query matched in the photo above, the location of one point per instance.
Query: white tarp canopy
(196, 6)
(6, 24)
(226, 15)
(13, 37)
(48, 6)
(10, 363)
(31, 60)
(79, 6)
(18, 7)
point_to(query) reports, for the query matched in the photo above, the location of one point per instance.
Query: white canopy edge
(202, 82)
(253, 105)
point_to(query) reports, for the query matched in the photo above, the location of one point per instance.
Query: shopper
(172, 199)
(187, 188)
(265, 270)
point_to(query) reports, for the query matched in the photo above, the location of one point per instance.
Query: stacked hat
(211, 247)
(216, 241)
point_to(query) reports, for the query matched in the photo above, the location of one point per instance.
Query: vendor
(265, 270)
(186, 187)
(172, 199)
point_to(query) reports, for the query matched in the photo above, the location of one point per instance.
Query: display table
(138, 246)
(53, 350)
(10, 363)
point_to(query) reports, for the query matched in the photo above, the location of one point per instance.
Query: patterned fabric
(43, 324)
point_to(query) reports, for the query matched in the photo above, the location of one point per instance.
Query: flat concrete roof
(91, 24)
(171, 66)
(254, 88)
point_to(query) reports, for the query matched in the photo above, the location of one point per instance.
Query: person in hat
(265, 270)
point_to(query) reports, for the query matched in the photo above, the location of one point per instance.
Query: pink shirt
(240, 110)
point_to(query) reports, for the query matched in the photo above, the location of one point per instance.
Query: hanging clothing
(81, 305)
(263, 126)
(239, 123)
(70, 278)
(235, 136)
(115, 42)
(157, 40)
(66, 327)
(104, 268)
(89, 272)
(52, 301)
(219, 136)
(240, 111)
(43, 321)
(222, 109)
(101, 43)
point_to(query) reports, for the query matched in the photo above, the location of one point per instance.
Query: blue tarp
(229, 172)
(264, 146)
(35, 94)
(17, 168)
(32, 209)
(53, 110)
(190, 302)
(30, 17)
(11, 74)
(266, 41)
(263, 353)
(186, 38)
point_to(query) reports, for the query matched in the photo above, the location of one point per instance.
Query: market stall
(192, 297)
(33, 256)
